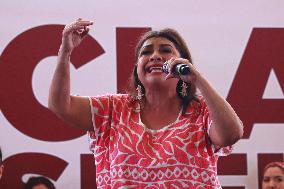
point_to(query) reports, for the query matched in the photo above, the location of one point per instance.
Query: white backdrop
(217, 33)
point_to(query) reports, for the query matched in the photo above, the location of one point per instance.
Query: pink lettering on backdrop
(263, 53)
(126, 39)
(30, 163)
(88, 172)
(17, 64)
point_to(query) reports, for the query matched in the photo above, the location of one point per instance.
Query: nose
(272, 184)
(155, 57)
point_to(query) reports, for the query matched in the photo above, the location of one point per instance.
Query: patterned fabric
(129, 155)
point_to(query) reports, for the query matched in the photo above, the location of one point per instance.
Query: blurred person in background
(39, 182)
(273, 176)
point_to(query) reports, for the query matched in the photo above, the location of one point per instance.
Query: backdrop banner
(237, 45)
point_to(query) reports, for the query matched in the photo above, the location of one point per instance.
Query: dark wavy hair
(34, 181)
(180, 44)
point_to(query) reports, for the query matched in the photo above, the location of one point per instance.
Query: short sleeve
(101, 119)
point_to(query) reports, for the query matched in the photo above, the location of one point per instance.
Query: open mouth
(154, 69)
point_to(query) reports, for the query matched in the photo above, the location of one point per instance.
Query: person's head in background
(1, 164)
(39, 183)
(273, 176)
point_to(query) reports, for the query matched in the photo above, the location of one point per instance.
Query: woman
(160, 134)
(273, 176)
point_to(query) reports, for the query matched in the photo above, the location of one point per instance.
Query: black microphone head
(182, 69)
(179, 69)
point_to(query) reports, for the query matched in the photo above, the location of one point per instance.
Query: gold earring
(139, 92)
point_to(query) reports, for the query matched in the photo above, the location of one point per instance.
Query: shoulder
(111, 99)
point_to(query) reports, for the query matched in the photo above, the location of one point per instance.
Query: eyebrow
(277, 176)
(150, 45)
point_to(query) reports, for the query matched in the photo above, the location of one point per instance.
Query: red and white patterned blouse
(129, 155)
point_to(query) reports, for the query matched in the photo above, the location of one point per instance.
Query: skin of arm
(74, 110)
(226, 128)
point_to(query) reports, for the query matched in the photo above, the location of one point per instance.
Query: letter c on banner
(17, 63)
(26, 163)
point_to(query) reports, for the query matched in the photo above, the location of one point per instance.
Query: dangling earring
(139, 92)
(183, 91)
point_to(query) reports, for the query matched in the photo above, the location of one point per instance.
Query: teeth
(155, 69)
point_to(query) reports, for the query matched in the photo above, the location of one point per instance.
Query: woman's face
(152, 55)
(273, 178)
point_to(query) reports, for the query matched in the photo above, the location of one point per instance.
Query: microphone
(179, 69)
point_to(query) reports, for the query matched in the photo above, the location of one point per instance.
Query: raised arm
(226, 128)
(73, 109)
